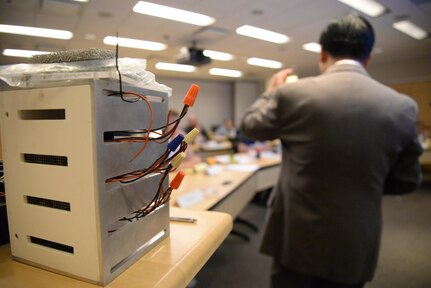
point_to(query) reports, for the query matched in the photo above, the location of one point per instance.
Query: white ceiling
(301, 20)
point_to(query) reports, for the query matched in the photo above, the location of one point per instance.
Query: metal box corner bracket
(58, 152)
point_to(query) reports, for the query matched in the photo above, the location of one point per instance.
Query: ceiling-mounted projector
(193, 56)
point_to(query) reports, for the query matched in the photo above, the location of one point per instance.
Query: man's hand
(278, 79)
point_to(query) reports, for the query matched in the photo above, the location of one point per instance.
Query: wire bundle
(158, 165)
(161, 197)
(168, 129)
(165, 163)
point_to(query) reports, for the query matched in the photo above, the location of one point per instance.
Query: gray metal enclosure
(63, 216)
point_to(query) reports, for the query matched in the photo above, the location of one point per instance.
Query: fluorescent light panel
(216, 55)
(175, 67)
(262, 34)
(225, 72)
(312, 47)
(369, 7)
(36, 32)
(411, 29)
(264, 63)
(22, 53)
(170, 13)
(134, 43)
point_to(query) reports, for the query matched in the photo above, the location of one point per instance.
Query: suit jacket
(346, 140)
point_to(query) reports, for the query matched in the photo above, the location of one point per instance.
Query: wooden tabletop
(172, 263)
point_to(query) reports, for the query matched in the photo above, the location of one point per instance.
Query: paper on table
(237, 158)
(195, 196)
(223, 159)
(242, 167)
(269, 155)
(243, 158)
(214, 170)
(190, 198)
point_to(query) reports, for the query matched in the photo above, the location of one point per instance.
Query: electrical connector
(176, 162)
(191, 136)
(190, 97)
(176, 182)
(173, 145)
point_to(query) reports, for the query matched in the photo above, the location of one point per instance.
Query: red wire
(147, 138)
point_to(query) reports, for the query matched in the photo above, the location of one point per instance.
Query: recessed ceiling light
(216, 55)
(134, 43)
(225, 72)
(411, 29)
(175, 67)
(312, 47)
(22, 53)
(262, 34)
(370, 7)
(37, 32)
(264, 63)
(170, 13)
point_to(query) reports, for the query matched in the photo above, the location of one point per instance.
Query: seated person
(246, 144)
(192, 122)
(226, 131)
(191, 157)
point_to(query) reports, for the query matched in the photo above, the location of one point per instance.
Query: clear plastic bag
(42, 75)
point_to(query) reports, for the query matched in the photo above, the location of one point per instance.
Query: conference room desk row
(230, 186)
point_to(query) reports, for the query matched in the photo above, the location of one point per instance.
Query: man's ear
(366, 62)
(323, 61)
(323, 56)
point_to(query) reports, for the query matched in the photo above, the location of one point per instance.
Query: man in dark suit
(347, 139)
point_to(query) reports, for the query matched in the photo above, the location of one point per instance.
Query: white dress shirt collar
(349, 62)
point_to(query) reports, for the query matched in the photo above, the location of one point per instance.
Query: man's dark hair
(350, 36)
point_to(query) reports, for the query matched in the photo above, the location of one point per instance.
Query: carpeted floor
(405, 256)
